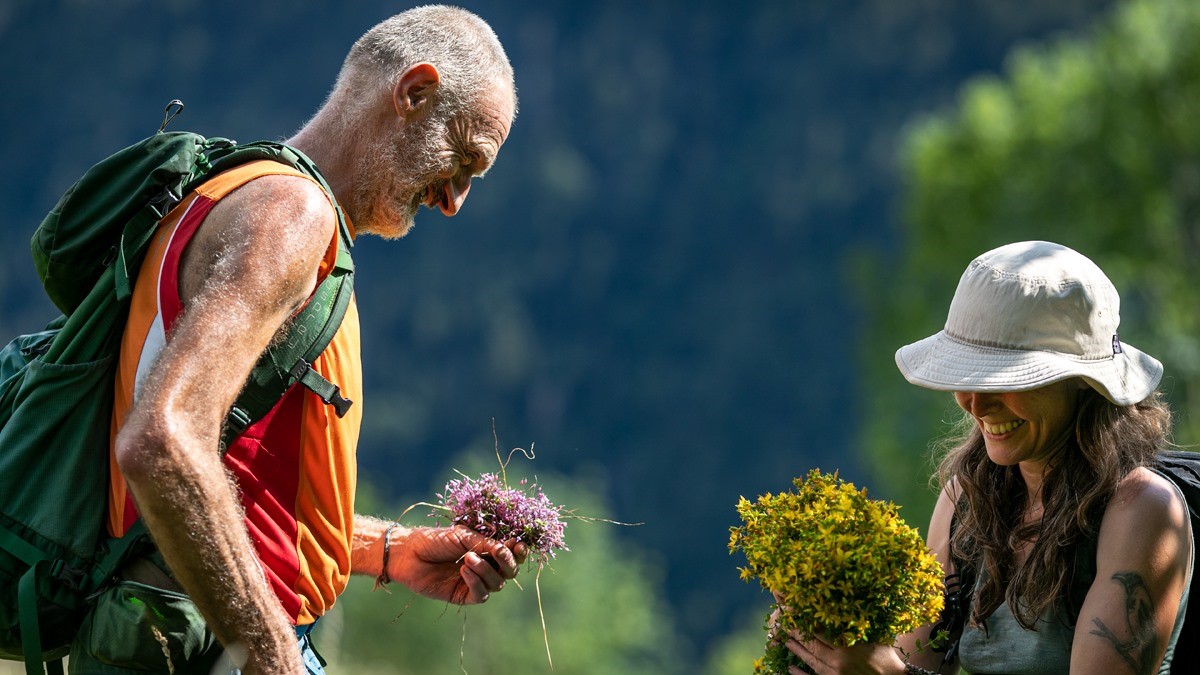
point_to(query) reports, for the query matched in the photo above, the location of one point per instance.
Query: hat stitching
(1060, 283)
(1045, 280)
(998, 347)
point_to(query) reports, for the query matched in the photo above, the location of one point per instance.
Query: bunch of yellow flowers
(841, 565)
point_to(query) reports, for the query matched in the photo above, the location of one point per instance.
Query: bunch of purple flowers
(488, 506)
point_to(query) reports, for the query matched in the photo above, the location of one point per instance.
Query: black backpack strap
(1183, 469)
(960, 587)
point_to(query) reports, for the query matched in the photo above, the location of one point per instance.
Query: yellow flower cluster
(842, 566)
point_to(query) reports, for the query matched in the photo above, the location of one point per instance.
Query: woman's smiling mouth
(1001, 429)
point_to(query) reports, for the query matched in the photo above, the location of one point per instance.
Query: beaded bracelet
(383, 579)
(910, 669)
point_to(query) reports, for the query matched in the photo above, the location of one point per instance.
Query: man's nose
(454, 193)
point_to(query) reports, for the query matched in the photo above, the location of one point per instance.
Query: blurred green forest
(685, 279)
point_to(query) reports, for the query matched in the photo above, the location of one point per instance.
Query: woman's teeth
(1001, 429)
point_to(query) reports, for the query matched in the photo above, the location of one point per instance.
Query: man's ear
(414, 88)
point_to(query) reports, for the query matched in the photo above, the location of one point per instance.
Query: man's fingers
(813, 652)
(488, 575)
(476, 591)
(519, 550)
(800, 649)
(507, 560)
(503, 559)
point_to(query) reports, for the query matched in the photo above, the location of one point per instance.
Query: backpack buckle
(341, 404)
(69, 576)
(329, 392)
(163, 202)
(238, 418)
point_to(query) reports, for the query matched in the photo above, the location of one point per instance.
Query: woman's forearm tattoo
(1140, 647)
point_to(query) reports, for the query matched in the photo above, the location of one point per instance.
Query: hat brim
(943, 363)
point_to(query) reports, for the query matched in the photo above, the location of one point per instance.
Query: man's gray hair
(462, 46)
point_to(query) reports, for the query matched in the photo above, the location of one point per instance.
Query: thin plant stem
(462, 647)
(537, 586)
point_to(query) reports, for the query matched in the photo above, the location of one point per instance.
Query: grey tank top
(1008, 649)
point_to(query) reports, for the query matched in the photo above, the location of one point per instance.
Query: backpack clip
(239, 419)
(329, 392)
(163, 202)
(175, 105)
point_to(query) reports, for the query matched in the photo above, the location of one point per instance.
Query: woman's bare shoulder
(1145, 510)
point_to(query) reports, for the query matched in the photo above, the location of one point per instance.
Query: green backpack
(56, 386)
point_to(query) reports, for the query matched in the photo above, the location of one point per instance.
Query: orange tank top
(296, 468)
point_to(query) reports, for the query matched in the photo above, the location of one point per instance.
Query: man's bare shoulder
(278, 207)
(273, 230)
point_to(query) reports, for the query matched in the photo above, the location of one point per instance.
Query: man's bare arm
(250, 265)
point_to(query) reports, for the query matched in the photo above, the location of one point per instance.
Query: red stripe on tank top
(269, 479)
(170, 305)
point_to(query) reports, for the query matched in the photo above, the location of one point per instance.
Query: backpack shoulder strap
(289, 360)
(960, 587)
(1183, 469)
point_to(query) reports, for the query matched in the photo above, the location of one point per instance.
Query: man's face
(431, 162)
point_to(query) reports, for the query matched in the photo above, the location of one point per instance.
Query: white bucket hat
(1027, 315)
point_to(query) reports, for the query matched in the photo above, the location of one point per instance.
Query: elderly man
(262, 539)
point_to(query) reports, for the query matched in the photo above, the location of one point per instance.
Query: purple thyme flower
(489, 507)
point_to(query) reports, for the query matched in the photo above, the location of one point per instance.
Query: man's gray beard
(413, 162)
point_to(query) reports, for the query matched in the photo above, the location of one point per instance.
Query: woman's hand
(859, 659)
(824, 658)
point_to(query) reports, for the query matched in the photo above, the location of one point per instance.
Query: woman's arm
(1142, 560)
(938, 540)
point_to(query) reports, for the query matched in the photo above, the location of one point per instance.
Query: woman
(1062, 424)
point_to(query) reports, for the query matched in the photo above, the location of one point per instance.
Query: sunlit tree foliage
(1091, 141)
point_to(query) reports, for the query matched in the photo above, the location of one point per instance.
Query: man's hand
(452, 564)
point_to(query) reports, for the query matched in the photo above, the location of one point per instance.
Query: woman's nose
(978, 403)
